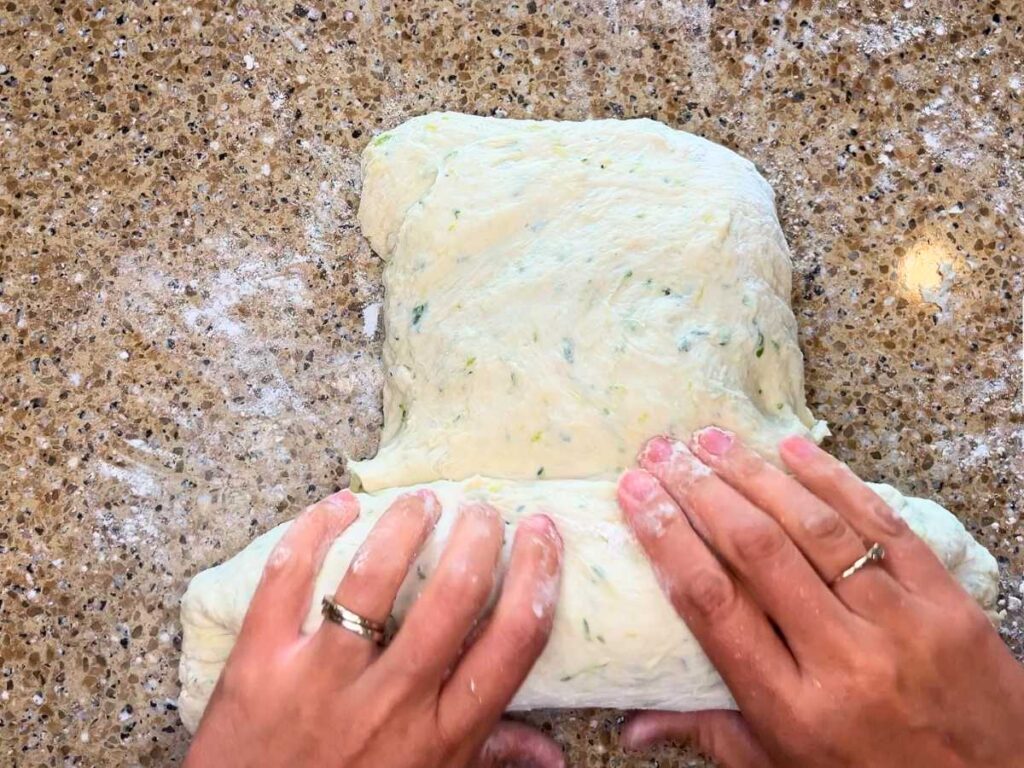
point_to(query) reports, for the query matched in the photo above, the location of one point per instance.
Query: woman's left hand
(431, 699)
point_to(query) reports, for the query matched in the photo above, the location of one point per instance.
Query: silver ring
(875, 554)
(374, 631)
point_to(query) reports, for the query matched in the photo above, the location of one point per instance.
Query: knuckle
(875, 676)
(285, 563)
(750, 467)
(760, 540)
(710, 593)
(836, 474)
(880, 511)
(823, 524)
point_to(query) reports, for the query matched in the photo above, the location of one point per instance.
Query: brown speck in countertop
(189, 318)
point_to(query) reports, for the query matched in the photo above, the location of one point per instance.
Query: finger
(281, 601)
(379, 567)
(732, 630)
(907, 558)
(520, 744)
(753, 545)
(495, 666)
(436, 626)
(822, 534)
(722, 735)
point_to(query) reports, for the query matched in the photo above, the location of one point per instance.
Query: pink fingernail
(342, 506)
(637, 736)
(715, 441)
(657, 450)
(542, 525)
(799, 447)
(537, 523)
(638, 485)
(343, 498)
(430, 503)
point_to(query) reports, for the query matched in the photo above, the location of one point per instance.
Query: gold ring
(374, 631)
(875, 554)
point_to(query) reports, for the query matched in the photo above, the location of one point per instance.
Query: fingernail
(538, 523)
(343, 501)
(887, 518)
(658, 450)
(340, 497)
(799, 447)
(715, 441)
(543, 527)
(638, 735)
(342, 506)
(431, 506)
(638, 485)
(547, 544)
(483, 517)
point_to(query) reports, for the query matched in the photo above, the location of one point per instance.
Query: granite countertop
(189, 343)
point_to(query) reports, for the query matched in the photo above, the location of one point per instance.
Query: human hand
(893, 666)
(434, 696)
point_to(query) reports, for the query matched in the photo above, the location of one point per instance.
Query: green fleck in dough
(584, 671)
(569, 350)
(417, 314)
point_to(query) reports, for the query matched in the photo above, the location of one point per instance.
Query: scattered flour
(252, 386)
(138, 480)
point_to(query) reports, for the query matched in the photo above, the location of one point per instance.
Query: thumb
(516, 745)
(722, 735)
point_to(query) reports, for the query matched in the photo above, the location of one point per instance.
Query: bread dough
(557, 293)
(616, 641)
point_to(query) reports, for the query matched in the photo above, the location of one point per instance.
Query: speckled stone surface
(187, 345)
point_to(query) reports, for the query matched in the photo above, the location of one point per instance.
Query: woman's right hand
(434, 696)
(892, 667)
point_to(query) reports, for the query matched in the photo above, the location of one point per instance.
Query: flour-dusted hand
(434, 696)
(892, 665)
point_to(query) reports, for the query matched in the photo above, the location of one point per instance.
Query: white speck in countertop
(371, 316)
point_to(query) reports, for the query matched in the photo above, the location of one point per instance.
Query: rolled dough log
(557, 293)
(616, 641)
